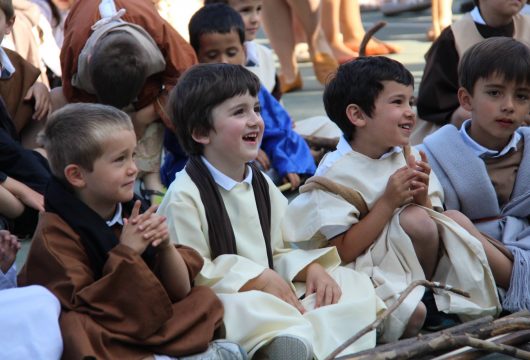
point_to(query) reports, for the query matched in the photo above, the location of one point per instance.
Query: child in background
(279, 303)
(92, 241)
(484, 166)
(27, 100)
(437, 98)
(217, 34)
(29, 315)
(24, 175)
(259, 58)
(124, 54)
(375, 203)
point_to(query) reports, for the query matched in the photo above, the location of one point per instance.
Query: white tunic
(253, 318)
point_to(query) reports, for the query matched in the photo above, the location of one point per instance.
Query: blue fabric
(287, 150)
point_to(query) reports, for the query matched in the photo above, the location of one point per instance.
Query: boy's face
(63, 5)
(497, 109)
(112, 178)
(392, 119)
(250, 11)
(221, 48)
(5, 25)
(237, 132)
(503, 10)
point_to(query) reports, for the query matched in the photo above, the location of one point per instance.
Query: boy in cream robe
(279, 303)
(391, 231)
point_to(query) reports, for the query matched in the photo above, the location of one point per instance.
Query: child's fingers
(152, 222)
(424, 157)
(135, 212)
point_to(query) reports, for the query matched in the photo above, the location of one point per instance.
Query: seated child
(129, 59)
(375, 203)
(29, 315)
(260, 59)
(279, 303)
(437, 98)
(27, 100)
(24, 175)
(126, 292)
(217, 34)
(484, 166)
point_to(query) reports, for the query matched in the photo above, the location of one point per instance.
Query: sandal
(286, 87)
(323, 65)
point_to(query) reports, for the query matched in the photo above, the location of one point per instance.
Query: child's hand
(9, 247)
(270, 282)
(43, 104)
(320, 282)
(142, 118)
(294, 180)
(140, 230)
(398, 190)
(421, 182)
(263, 159)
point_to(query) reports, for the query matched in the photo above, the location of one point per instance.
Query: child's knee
(417, 223)
(458, 217)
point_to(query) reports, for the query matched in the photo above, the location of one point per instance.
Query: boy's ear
(465, 99)
(356, 115)
(200, 136)
(74, 175)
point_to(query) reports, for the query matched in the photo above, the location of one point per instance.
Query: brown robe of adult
(14, 89)
(125, 314)
(179, 55)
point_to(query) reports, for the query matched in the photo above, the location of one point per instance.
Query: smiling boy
(484, 167)
(279, 303)
(375, 203)
(125, 291)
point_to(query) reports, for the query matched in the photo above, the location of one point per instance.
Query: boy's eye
(522, 97)
(257, 109)
(494, 92)
(397, 101)
(239, 111)
(232, 52)
(245, 10)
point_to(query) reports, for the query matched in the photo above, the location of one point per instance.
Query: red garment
(178, 54)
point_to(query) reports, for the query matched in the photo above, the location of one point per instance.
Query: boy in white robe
(29, 315)
(279, 303)
(391, 231)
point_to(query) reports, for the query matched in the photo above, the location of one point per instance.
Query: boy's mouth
(251, 137)
(406, 126)
(504, 122)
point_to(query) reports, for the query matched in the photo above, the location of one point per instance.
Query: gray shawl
(468, 188)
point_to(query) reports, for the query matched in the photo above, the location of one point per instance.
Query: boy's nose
(507, 105)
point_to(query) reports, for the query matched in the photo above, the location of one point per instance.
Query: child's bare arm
(293, 179)
(320, 282)
(270, 282)
(10, 206)
(43, 104)
(142, 118)
(25, 194)
(360, 236)
(9, 247)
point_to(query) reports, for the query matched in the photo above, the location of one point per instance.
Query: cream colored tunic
(253, 318)
(316, 216)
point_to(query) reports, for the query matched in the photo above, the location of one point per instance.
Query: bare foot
(9, 247)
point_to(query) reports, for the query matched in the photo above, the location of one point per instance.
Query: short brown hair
(502, 56)
(7, 7)
(74, 134)
(199, 90)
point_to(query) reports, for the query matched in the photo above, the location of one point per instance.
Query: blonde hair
(75, 133)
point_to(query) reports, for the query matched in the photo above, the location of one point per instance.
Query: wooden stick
(391, 309)
(285, 187)
(368, 35)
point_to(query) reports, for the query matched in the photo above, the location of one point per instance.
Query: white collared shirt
(224, 181)
(476, 16)
(117, 218)
(480, 150)
(252, 52)
(6, 63)
(344, 147)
